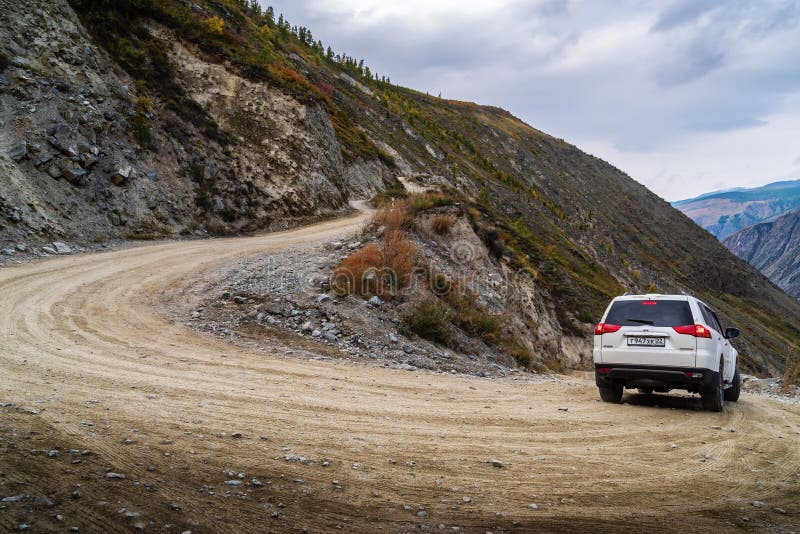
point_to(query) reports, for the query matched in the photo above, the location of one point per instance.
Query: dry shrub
(394, 216)
(353, 274)
(442, 224)
(384, 270)
(791, 376)
(397, 256)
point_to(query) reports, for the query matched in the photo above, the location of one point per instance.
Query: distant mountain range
(724, 212)
(760, 225)
(773, 248)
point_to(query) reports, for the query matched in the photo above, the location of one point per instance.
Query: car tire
(611, 394)
(732, 393)
(714, 395)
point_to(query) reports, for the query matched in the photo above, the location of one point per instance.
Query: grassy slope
(583, 227)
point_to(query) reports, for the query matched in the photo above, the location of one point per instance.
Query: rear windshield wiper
(643, 321)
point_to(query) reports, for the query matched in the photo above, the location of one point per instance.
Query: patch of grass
(389, 195)
(519, 352)
(141, 127)
(442, 224)
(429, 320)
(426, 201)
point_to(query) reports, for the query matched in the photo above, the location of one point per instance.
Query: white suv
(664, 342)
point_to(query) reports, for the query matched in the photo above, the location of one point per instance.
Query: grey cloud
(683, 13)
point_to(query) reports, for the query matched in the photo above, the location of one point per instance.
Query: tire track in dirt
(405, 447)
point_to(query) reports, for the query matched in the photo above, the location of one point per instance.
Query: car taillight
(603, 370)
(604, 328)
(696, 330)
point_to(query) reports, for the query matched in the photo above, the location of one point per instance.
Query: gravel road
(113, 417)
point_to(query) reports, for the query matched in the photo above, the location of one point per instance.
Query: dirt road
(93, 379)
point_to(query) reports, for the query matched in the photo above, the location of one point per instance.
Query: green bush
(487, 327)
(426, 201)
(519, 352)
(429, 320)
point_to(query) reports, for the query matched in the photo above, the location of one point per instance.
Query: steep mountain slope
(725, 212)
(773, 248)
(137, 118)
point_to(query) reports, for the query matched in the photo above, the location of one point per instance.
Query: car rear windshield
(650, 313)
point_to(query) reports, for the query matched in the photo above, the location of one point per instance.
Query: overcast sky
(686, 96)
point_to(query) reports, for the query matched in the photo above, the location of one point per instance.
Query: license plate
(646, 341)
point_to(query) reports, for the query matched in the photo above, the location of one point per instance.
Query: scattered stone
(422, 513)
(408, 349)
(115, 476)
(323, 298)
(673, 446)
(316, 333)
(121, 175)
(52, 454)
(466, 499)
(19, 151)
(54, 171)
(533, 506)
(780, 511)
(498, 463)
(393, 338)
(239, 300)
(43, 501)
(307, 327)
(274, 515)
(75, 176)
(76, 494)
(255, 482)
(562, 409)
(757, 504)
(22, 247)
(13, 498)
(233, 482)
(375, 301)
(61, 248)
(237, 435)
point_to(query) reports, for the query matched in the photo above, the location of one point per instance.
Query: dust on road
(89, 365)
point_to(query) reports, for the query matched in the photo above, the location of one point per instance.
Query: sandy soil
(89, 364)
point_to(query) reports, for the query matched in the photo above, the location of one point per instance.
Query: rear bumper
(654, 377)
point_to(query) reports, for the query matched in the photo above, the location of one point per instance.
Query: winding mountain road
(88, 363)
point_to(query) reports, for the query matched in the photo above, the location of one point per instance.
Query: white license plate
(646, 342)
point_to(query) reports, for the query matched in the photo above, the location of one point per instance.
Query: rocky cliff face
(773, 248)
(136, 119)
(73, 168)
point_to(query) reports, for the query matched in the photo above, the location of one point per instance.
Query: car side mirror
(731, 333)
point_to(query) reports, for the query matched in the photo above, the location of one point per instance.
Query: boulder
(75, 176)
(122, 174)
(19, 151)
(60, 247)
(54, 171)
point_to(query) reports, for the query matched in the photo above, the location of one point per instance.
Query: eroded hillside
(141, 119)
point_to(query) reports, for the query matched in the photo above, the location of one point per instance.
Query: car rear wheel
(732, 393)
(611, 394)
(714, 395)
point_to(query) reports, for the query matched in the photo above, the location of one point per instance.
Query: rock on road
(93, 371)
